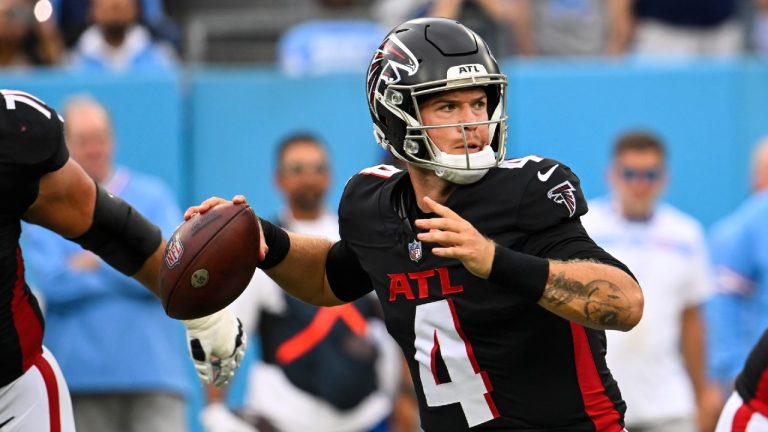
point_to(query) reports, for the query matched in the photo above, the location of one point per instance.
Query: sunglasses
(650, 175)
(301, 169)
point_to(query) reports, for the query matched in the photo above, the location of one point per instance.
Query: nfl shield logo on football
(173, 252)
(414, 250)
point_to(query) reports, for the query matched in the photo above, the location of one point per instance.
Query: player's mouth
(472, 148)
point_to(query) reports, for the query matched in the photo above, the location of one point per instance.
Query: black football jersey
(752, 382)
(31, 145)
(482, 356)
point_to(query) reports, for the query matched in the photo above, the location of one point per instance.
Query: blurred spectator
(760, 28)
(322, 369)
(676, 28)
(28, 37)
(566, 27)
(117, 42)
(72, 16)
(123, 358)
(660, 364)
(500, 22)
(736, 315)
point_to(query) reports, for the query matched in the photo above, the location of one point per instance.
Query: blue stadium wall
(213, 132)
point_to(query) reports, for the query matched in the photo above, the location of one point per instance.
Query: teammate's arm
(585, 291)
(66, 204)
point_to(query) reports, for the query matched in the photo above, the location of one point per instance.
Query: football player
(487, 279)
(747, 408)
(42, 185)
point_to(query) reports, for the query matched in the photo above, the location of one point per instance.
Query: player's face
(303, 176)
(638, 178)
(458, 106)
(89, 140)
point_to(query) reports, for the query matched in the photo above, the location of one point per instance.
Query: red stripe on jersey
(760, 402)
(467, 345)
(29, 329)
(473, 360)
(741, 418)
(433, 359)
(52, 388)
(598, 405)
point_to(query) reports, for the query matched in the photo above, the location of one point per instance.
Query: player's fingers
(444, 224)
(440, 209)
(225, 373)
(450, 252)
(203, 207)
(239, 199)
(204, 371)
(444, 238)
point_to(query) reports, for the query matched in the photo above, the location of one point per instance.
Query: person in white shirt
(660, 364)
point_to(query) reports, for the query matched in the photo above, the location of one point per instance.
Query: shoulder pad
(31, 133)
(381, 171)
(552, 196)
(366, 196)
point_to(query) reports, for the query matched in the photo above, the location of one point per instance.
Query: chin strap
(461, 174)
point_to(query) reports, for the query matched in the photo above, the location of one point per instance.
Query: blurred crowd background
(201, 93)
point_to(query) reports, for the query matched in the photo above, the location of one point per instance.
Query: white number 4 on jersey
(436, 325)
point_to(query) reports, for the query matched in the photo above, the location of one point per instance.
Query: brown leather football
(209, 261)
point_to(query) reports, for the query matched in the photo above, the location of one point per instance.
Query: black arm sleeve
(347, 278)
(567, 241)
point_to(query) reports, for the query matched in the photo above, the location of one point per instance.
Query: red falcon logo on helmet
(391, 60)
(563, 194)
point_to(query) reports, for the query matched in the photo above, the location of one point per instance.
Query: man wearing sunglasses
(660, 364)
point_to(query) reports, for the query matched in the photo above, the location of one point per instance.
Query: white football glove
(217, 345)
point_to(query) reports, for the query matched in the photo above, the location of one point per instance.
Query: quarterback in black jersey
(747, 408)
(487, 279)
(40, 184)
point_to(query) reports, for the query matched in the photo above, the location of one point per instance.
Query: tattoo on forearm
(603, 302)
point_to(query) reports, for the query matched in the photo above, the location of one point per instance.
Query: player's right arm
(303, 271)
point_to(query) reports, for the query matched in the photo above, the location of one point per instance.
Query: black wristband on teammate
(528, 274)
(278, 243)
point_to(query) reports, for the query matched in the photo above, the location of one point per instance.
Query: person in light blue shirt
(125, 362)
(738, 313)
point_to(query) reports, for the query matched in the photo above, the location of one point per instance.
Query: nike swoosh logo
(544, 177)
(7, 421)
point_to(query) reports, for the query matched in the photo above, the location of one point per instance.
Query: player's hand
(459, 238)
(211, 203)
(217, 345)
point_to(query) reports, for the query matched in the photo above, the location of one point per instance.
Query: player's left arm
(583, 290)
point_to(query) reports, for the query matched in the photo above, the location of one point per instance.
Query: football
(209, 261)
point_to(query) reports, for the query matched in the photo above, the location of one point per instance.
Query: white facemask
(484, 158)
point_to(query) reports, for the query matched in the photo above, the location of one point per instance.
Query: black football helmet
(425, 56)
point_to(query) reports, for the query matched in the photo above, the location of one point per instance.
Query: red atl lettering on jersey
(399, 284)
